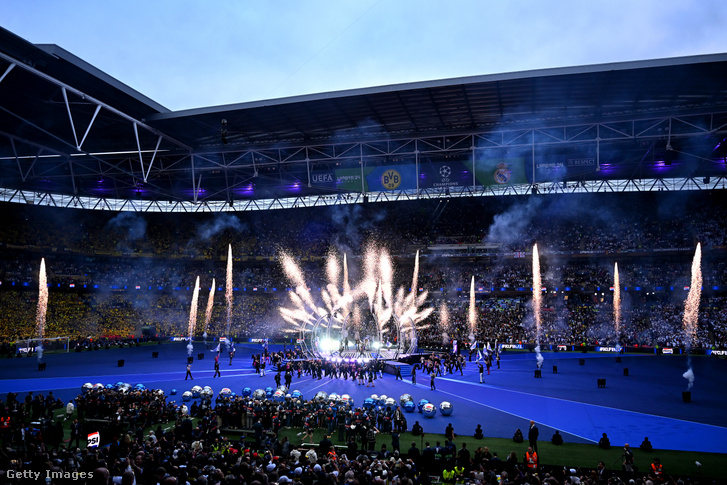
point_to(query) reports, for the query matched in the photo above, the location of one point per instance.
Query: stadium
(565, 227)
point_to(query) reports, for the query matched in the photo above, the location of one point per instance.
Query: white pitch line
(502, 410)
(588, 404)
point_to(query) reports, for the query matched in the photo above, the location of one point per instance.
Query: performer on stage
(217, 366)
(189, 372)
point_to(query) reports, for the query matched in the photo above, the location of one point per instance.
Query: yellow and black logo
(391, 179)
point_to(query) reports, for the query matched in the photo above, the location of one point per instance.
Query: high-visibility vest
(448, 476)
(459, 472)
(531, 460)
(657, 469)
(5, 422)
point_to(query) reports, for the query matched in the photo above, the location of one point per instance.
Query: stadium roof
(71, 134)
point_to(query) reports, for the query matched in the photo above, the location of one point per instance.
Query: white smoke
(512, 226)
(220, 223)
(131, 225)
(689, 376)
(538, 357)
(190, 348)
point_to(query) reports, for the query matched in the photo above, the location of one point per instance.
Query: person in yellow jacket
(459, 474)
(449, 476)
(531, 459)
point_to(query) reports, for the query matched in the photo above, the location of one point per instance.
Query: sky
(187, 54)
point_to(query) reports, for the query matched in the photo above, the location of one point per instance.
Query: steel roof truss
(7, 71)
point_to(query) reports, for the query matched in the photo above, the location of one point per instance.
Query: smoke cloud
(210, 229)
(130, 224)
(689, 376)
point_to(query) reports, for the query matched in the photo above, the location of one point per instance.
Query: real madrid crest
(502, 174)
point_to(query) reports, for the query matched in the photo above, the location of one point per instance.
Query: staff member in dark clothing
(533, 436)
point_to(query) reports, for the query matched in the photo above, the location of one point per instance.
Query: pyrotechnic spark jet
(386, 270)
(407, 307)
(537, 292)
(193, 316)
(691, 310)
(444, 321)
(294, 274)
(691, 307)
(332, 269)
(304, 311)
(472, 315)
(208, 311)
(376, 286)
(228, 296)
(42, 306)
(415, 278)
(616, 302)
(369, 283)
(537, 302)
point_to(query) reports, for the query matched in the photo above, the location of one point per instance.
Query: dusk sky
(189, 54)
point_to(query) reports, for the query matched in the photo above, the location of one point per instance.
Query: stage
(646, 402)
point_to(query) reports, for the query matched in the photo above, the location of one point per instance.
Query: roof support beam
(7, 71)
(145, 173)
(70, 116)
(65, 86)
(95, 113)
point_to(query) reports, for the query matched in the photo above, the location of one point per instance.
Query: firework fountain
(444, 321)
(691, 312)
(537, 303)
(340, 309)
(193, 317)
(208, 311)
(42, 306)
(472, 315)
(617, 305)
(408, 309)
(228, 296)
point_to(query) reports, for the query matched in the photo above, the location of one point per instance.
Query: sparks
(228, 294)
(616, 303)
(42, 306)
(208, 311)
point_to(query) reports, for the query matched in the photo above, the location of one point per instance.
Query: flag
(216, 349)
(474, 345)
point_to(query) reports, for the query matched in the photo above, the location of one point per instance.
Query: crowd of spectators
(235, 440)
(111, 274)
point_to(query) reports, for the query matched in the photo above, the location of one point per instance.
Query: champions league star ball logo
(445, 171)
(502, 174)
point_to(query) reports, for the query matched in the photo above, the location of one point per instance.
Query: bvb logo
(391, 179)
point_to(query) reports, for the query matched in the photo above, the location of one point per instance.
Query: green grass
(568, 454)
(573, 455)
